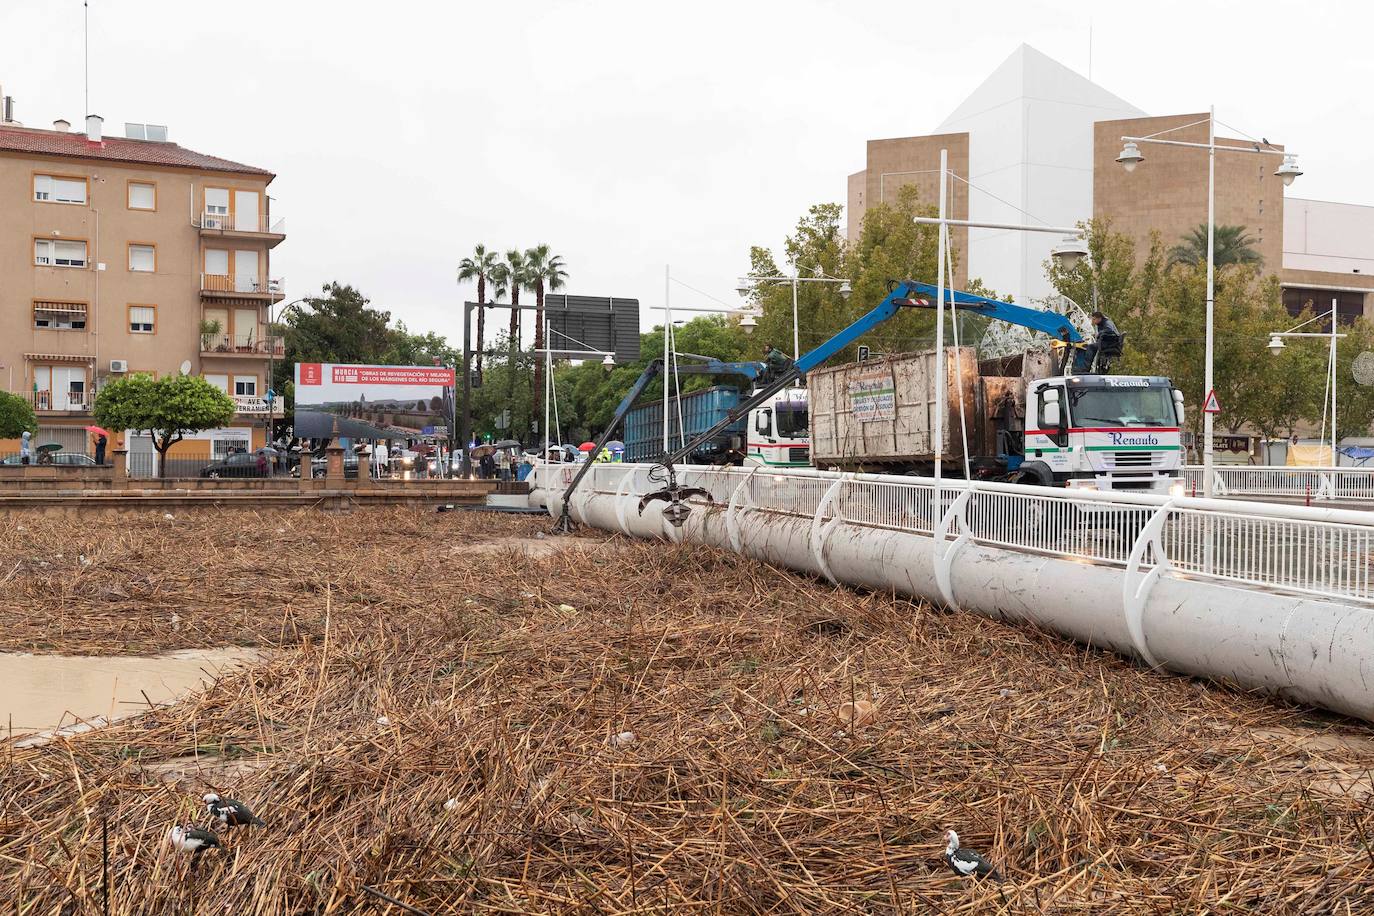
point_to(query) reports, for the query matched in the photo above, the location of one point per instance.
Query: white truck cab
(779, 433)
(1104, 432)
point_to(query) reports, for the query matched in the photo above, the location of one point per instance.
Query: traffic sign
(1212, 405)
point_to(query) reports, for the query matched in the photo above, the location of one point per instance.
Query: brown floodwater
(43, 692)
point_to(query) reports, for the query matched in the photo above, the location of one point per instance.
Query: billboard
(594, 322)
(372, 402)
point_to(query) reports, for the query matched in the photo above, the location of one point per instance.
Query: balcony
(254, 406)
(241, 226)
(232, 346)
(60, 401)
(224, 286)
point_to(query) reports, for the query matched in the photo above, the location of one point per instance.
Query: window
(56, 190)
(59, 316)
(216, 208)
(219, 381)
(143, 258)
(59, 253)
(246, 386)
(1349, 305)
(142, 319)
(217, 262)
(142, 196)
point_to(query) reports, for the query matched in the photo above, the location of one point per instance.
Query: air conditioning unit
(119, 365)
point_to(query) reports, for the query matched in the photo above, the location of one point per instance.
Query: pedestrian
(100, 448)
(378, 458)
(25, 450)
(262, 462)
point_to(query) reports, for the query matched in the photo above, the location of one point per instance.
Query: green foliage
(1230, 245)
(167, 408)
(1109, 279)
(16, 416)
(407, 349)
(1354, 402)
(481, 266)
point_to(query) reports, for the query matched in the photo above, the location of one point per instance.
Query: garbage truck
(774, 434)
(1016, 419)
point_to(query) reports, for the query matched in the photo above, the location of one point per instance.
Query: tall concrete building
(132, 254)
(1037, 143)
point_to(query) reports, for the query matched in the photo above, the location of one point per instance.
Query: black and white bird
(195, 840)
(231, 813)
(965, 862)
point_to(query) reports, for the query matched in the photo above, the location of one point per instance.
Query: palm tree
(545, 273)
(1232, 245)
(480, 267)
(510, 275)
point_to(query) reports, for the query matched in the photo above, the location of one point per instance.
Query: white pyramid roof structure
(1030, 127)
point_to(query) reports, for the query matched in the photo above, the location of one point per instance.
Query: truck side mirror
(763, 423)
(1051, 412)
(1178, 406)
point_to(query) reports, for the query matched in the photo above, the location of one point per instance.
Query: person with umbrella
(101, 436)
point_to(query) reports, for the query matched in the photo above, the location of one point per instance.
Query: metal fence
(1317, 551)
(1305, 483)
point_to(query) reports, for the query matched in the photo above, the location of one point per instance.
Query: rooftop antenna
(86, 15)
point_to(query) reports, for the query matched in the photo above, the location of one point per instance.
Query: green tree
(337, 327)
(1231, 245)
(407, 349)
(546, 273)
(16, 416)
(167, 408)
(1354, 402)
(1110, 279)
(480, 266)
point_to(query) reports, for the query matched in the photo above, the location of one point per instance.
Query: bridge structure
(1263, 595)
(1339, 485)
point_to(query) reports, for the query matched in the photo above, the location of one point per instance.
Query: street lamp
(748, 323)
(1130, 157)
(609, 362)
(1068, 253)
(746, 286)
(1276, 346)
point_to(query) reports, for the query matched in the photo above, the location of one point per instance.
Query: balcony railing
(252, 404)
(59, 400)
(224, 283)
(226, 222)
(231, 344)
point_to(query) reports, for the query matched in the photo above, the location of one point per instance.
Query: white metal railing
(59, 400)
(225, 283)
(227, 222)
(1318, 484)
(1317, 551)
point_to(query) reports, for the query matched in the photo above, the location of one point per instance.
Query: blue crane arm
(1051, 323)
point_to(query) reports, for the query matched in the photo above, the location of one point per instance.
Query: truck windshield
(792, 419)
(1152, 406)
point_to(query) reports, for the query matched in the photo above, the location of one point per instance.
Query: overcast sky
(630, 135)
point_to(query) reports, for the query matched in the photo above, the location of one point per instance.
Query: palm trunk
(481, 318)
(539, 359)
(514, 349)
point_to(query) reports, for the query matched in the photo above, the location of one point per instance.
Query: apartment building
(1037, 143)
(133, 254)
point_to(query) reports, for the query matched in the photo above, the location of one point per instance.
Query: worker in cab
(1105, 348)
(775, 362)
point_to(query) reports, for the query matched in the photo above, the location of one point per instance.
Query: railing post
(1133, 599)
(121, 468)
(821, 533)
(944, 559)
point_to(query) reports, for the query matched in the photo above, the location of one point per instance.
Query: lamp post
(747, 284)
(1276, 346)
(1129, 158)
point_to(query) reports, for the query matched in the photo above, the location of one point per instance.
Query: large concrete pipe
(1312, 650)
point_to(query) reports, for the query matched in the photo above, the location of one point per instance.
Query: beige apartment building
(1037, 143)
(133, 254)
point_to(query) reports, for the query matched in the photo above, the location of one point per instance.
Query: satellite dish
(1363, 368)
(185, 367)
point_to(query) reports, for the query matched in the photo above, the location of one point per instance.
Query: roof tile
(116, 149)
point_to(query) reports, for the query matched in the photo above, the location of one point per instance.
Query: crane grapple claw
(677, 510)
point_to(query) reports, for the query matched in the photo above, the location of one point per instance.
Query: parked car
(240, 464)
(319, 467)
(61, 459)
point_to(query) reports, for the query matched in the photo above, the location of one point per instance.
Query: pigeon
(967, 863)
(187, 838)
(231, 813)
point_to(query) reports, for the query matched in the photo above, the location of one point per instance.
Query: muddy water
(41, 692)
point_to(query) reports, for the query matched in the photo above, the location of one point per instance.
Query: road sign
(1212, 405)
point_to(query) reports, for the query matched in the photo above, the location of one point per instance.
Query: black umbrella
(49, 447)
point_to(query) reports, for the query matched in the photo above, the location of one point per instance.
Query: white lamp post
(1131, 157)
(747, 284)
(1276, 347)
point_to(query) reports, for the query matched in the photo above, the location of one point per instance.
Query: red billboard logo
(312, 373)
